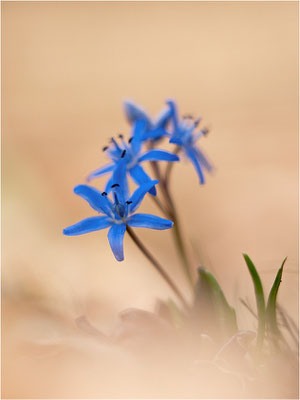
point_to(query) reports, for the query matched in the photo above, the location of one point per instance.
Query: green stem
(160, 205)
(182, 252)
(157, 266)
(172, 214)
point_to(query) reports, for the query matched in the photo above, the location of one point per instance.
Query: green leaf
(271, 305)
(212, 308)
(260, 300)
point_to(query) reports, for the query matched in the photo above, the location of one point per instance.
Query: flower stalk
(157, 266)
(170, 212)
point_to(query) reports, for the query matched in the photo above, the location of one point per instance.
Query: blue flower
(131, 154)
(185, 137)
(117, 214)
(156, 128)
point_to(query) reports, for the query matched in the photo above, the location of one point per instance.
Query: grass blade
(271, 305)
(210, 300)
(260, 300)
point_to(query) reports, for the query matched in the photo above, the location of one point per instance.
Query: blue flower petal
(119, 177)
(176, 140)
(203, 160)
(108, 185)
(134, 112)
(87, 225)
(155, 134)
(174, 114)
(140, 177)
(100, 171)
(163, 118)
(139, 194)
(95, 198)
(138, 134)
(115, 238)
(192, 155)
(158, 155)
(149, 221)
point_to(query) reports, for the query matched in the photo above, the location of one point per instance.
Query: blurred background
(66, 69)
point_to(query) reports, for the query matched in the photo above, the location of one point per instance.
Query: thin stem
(172, 214)
(160, 205)
(181, 249)
(170, 166)
(157, 266)
(157, 174)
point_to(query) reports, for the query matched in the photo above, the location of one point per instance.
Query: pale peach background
(66, 68)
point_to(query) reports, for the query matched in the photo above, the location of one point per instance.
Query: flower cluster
(126, 160)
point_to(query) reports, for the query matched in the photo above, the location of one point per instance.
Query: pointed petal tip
(128, 101)
(115, 237)
(170, 102)
(119, 259)
(201, 178)
(77, 189)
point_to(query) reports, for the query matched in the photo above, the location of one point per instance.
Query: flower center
(120, 210)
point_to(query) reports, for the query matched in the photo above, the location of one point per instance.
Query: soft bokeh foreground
(66, 67)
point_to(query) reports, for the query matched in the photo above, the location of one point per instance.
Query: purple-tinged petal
(95, 198)
(149, 221)
(174, 115)
(87, 225)
(138, 134)
(163, 118)
(139, 194)
(115, 238)
(158, 155)
(192, 155)
(140, 177)
(100, 171)
(134, 112)
(203, 160)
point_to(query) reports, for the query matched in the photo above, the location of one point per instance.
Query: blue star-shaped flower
(155, 128)
(131, 154)
(118, 214)
(184, 136)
